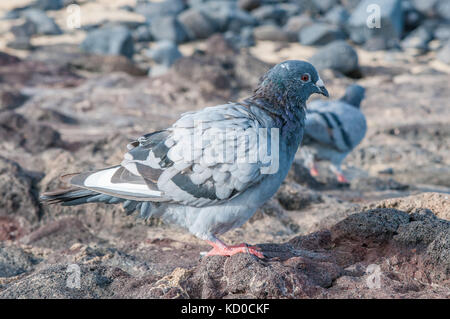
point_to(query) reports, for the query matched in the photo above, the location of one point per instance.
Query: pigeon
(202, 173)
(332, 130)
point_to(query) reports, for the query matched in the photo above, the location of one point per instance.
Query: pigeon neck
(286, 111)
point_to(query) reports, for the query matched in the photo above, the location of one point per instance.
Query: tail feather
(77, 196)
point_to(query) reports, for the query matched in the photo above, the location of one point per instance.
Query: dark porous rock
(109, 40)
(10, 98)
(300, 174)
(197, 24)
(14, 261)
(444, 53)
(54, 281)
(422, 229)
(295, 24)
(44, 24)
(249, 5)
(418, 39)
(270, 32)
(168, 28)
(391, 22)
(337, 15)
(438, 257)
(18, 198)
(31, 136)
(377, 225)
(323, 264)
(152, 10)
(142, 34)
(8, 59)
(292, 196)
(320, 34)
(60, 233)
(339, 56)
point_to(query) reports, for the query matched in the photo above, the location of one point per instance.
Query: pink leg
(341, 178)
(313, 170)
(221, 249)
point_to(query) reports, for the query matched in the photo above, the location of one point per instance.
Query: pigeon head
(354, 94)
(290, 82)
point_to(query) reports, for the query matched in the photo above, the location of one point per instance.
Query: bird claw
(342, 179)
(314, 172)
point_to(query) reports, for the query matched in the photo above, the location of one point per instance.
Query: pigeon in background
(332, 130)
(198, 173)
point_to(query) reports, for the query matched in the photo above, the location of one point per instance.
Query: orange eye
(305, 77)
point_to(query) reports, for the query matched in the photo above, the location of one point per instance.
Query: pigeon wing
(205, 158)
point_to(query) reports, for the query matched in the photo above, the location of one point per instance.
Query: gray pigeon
(211, 170)
(333, 129)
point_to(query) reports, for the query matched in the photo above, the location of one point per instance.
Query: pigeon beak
(321, 88)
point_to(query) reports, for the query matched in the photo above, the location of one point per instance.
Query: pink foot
(221, 249)
(313, 171)
(341, 178)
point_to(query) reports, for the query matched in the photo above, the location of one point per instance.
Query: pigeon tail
(354, 94)
(77, 196)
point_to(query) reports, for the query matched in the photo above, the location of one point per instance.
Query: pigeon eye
(305, 77)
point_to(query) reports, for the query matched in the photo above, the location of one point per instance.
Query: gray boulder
(197, 24)
(109, 40)
(391, 22)
(295, 24)
(324, 5)
(249, 5)
(168, 28)
(270, 32)
(226, 15)
(320, 34)
(444, 54)
(43, 23)
(339, 56)
(142, 34)
(244, 39)
(270, 13)
(164, 53)
(418, 39)
(49, 4)
(154, 10)
(337, 15)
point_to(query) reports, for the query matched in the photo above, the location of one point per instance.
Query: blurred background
(80, 79)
